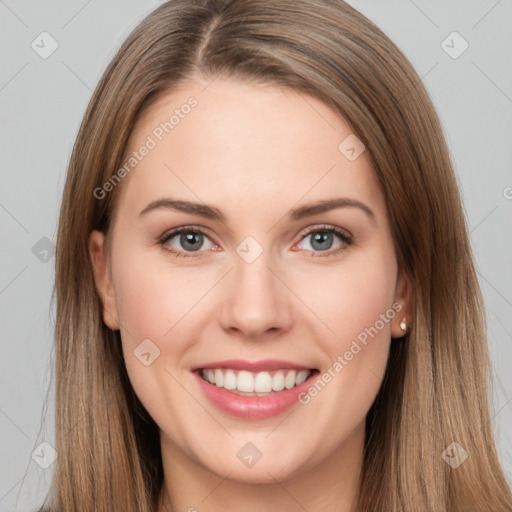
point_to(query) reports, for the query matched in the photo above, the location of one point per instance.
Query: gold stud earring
(403, 324)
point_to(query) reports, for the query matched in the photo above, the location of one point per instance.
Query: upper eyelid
(171, 233)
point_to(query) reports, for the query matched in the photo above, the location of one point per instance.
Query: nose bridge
(256, 301)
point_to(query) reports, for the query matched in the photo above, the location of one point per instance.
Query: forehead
(239, 145)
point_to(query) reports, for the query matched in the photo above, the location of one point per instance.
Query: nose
(256, 302)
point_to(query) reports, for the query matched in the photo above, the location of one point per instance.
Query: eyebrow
(210, 212)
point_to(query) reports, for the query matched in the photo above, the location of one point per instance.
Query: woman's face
(264, 288)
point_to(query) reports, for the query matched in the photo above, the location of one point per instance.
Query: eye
(187, 240)
(183, 240)
(323, 238)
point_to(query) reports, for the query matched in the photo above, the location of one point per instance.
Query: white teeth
(263, 383)
(278, 381)
(289, 380)
(257, 382)
(219, 378)
(301, 377)
(229, 380)
(245, 382)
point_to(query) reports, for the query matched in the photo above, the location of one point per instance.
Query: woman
(260, 302)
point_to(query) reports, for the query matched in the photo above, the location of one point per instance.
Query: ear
(103, 278)
(403, 296)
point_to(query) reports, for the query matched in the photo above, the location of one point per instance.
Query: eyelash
(343, 235)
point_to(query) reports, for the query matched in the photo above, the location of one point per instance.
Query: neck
(330, 485)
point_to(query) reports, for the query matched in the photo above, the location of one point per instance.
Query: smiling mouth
(246, 383)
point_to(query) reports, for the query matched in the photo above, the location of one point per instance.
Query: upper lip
(253, 366)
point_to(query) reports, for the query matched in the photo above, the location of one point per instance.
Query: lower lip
(253, 407)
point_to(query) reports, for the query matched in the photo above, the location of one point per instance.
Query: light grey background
(41, 105)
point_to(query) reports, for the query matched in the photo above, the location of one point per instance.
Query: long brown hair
(435, 388)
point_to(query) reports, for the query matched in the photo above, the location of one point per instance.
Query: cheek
(156, 302)
(356, 302)
(350, 298)
(153, 298)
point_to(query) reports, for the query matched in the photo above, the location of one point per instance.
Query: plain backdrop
(42, 101)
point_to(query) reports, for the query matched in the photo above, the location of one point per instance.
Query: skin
(254, 152)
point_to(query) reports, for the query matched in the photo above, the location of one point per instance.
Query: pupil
(321, 238)
(191, 241)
